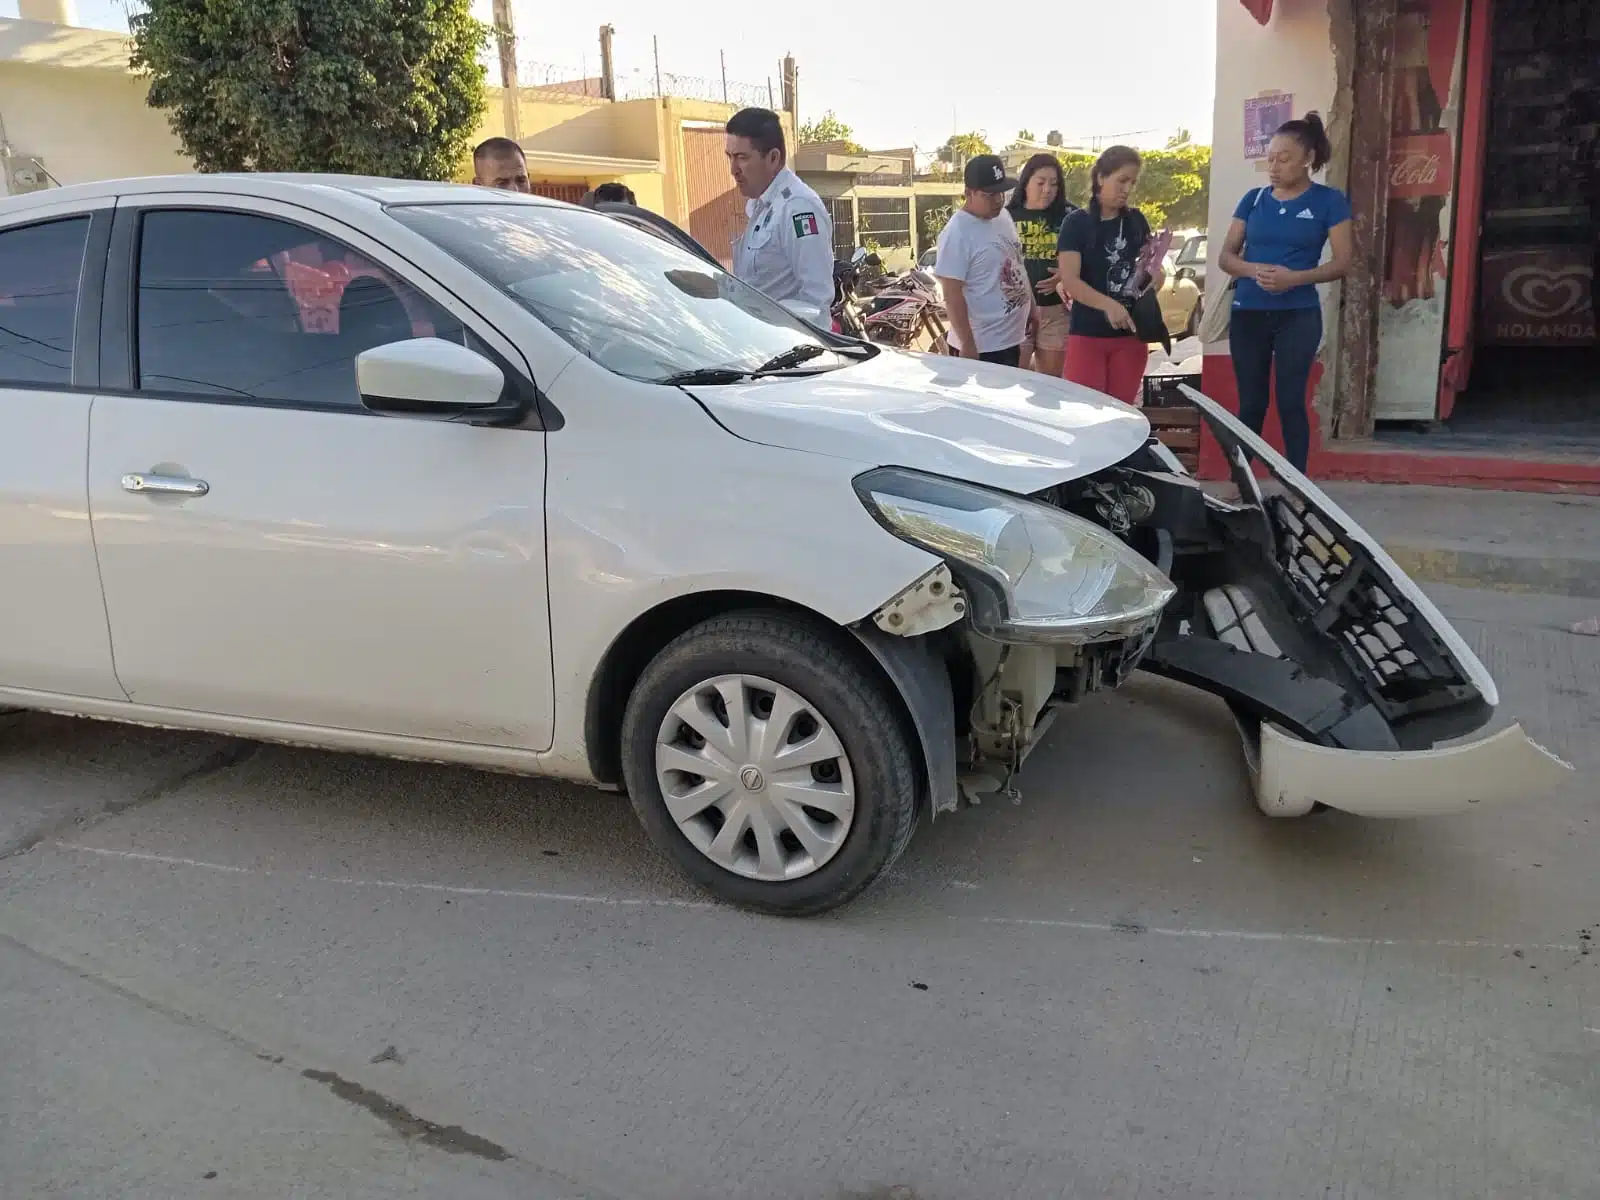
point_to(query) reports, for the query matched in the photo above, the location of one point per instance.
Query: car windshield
(632, 301)
(1194, 250)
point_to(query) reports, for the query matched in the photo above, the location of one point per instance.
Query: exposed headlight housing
(1033, 573)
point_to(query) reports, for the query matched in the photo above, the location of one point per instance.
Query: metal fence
(553, 79)
(642, 85)
(584, 80)
(884, 220)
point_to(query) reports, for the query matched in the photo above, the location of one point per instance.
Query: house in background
(70, 109)
(876, 198)
(73, 111)
(671, 150)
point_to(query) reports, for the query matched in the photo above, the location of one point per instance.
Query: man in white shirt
(786, 249)
(980, 265)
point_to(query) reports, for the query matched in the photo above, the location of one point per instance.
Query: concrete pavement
(1513, 541)
(326, 976)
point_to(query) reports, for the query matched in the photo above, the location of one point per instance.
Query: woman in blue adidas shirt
(1274, 250)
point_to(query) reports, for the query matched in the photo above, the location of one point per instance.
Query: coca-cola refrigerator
(1421, 178)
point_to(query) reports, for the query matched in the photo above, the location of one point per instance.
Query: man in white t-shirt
(980, 265)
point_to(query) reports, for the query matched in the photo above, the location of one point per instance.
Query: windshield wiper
(706, 375)
(792, 357)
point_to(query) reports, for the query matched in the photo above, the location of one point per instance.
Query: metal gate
(716, 211)
(843, 212)
(570, 192)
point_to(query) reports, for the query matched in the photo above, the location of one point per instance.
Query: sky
(1112, 70)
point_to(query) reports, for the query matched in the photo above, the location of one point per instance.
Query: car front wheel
(766, 758)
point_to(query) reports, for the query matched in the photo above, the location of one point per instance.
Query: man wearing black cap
(980, 265)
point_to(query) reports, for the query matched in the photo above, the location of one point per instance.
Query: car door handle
(172, 485)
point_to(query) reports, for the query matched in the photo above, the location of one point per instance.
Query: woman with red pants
(1098, 254)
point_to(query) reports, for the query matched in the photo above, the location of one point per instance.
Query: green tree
(1025, 135)
(828, 128)
(959, 147)
(369, 87)
(1075, 168)
(934, 220)
(1174, 184)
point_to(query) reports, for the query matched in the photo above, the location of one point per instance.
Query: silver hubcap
(755, 778)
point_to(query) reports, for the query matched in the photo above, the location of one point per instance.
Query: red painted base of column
(1369, 462)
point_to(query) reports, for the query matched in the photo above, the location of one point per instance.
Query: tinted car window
(634, 302)
(259, 309)
(39, 270)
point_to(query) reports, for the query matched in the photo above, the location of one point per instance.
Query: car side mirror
(430, 377)
(1184, 273)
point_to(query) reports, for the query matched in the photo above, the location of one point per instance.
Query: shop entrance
(1523, 299)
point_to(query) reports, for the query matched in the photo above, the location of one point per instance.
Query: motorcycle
(847, 275)
(908, 313)
(903, 311)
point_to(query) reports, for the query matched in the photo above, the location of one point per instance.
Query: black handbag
(1148, 323)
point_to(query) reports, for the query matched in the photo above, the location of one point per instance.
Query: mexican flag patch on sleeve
(805, 224)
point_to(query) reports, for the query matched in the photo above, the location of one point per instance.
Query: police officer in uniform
(786, 249)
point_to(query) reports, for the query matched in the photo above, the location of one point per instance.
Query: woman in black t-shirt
(1099, 257)
(1038, 206)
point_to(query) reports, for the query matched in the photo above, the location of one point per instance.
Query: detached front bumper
(1292, 777)
(1351, 689)
(1433, 694)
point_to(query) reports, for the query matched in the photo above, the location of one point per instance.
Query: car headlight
(1033, 573)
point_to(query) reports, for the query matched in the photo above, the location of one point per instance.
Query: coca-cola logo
(1414, 170)
(1546, 294)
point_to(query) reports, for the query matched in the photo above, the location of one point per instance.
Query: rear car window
(40, 266)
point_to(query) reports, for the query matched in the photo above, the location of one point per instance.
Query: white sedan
(447, 474)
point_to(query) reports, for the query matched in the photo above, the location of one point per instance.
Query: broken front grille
(1405, 666)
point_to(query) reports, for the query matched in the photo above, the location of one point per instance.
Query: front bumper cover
(1351, 689)
(1292, 777)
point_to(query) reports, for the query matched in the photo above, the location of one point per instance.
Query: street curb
(1499, 572)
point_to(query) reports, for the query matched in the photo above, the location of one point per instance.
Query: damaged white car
(433, 472)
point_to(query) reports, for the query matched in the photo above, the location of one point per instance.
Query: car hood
(1014, 430)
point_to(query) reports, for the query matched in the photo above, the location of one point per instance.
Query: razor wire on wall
(585, 80)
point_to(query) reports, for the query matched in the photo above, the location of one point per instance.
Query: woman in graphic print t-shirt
(1099, 258)
(1038, 207)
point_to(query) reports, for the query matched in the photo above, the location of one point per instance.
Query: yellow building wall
(86, 125)
(648, 130)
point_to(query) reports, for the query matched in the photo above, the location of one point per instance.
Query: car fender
(924, 687)
(649, 500)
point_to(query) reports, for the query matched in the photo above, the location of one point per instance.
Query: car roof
(331, 193)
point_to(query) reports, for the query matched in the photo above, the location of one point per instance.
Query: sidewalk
(1504, 541)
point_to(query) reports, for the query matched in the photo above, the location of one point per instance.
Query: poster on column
(1263, 115)
(1424, 129)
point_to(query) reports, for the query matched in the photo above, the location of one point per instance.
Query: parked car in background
(467, 476)
(1182, 296)
(1190, 260)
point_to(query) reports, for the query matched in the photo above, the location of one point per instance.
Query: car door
(53, 639)
(271, 550)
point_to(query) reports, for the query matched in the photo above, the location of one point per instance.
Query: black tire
(827, 670)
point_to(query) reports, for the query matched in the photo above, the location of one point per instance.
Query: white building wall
(68, 99)
(1293, 53)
